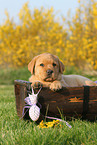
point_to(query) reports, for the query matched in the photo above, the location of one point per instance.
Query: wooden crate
(77, 102)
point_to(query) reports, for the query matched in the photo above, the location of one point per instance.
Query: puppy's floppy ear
(61, 67)
(31, 65)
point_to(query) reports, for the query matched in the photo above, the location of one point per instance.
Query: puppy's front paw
(56, 86)
(36, 84)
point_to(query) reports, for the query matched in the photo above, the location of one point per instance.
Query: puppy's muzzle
(49, 72)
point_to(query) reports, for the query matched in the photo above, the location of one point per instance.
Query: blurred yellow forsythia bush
(74, 40)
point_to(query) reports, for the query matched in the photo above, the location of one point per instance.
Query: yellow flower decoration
(54, 123)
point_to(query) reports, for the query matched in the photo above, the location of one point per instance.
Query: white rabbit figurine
(34, 111)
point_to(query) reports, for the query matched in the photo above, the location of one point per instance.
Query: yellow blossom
(74, 41)
(49, 124)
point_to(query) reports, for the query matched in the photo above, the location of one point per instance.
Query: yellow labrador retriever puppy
(47, 70)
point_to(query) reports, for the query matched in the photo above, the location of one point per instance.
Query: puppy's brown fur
(47, 69)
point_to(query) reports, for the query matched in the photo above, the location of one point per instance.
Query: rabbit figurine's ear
(32, 90)
(39, 90)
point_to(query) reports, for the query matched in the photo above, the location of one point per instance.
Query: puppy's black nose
(49, 71)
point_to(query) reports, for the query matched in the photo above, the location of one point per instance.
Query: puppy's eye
(54, 64)
(41, 64)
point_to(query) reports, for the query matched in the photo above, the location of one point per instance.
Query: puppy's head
(46, 67)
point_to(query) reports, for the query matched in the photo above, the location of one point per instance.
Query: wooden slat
(20, 94)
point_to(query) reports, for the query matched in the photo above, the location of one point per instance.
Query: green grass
(7, 76)
(91, 74)
(14, 131)
(19, 132)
